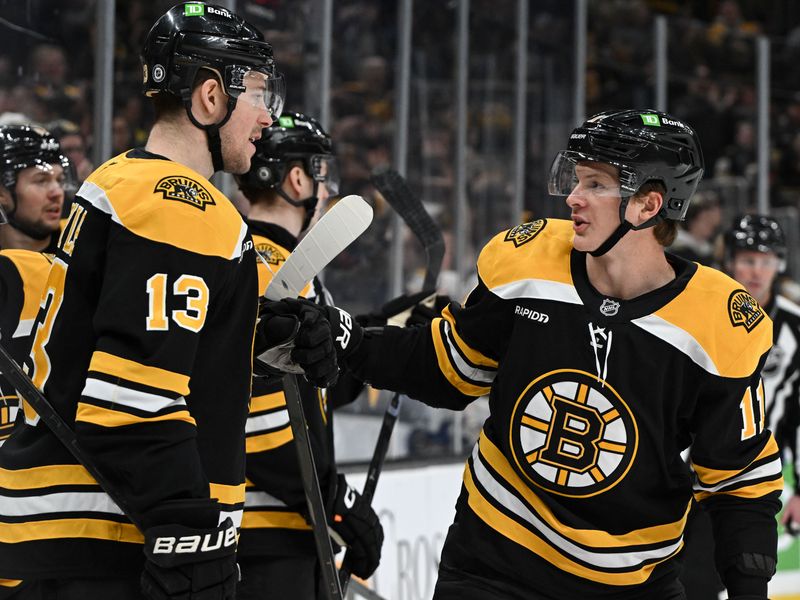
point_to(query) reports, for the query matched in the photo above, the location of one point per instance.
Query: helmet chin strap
(309, 204)
(624, 227)
(212, 130)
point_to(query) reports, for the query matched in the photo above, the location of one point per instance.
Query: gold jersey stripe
(268, 441)
(544, 257)
(105, 417)
(273, 519)
(509, 528)
(711, 476)
(751, 491)
(211, 227)
(9, 583)
(472, 355)
(735, 351)
(447, 369)
(267, 402)
(102, 362)
(98, 529)
(657, 534)
(40, 477)
(227, 494)
(33, 268)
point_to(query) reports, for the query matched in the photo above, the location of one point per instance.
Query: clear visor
(325, 169)
(264, 90)
(573, 172)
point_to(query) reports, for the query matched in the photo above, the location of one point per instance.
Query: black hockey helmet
(758, 233)
(294, 137)
(645, 146)
(193, 36)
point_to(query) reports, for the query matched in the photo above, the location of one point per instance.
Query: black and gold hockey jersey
(576, 487)
(781, 374)
(273, 522)
(23, 275)
(143, 343)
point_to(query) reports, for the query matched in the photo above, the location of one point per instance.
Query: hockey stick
(308, 472)
(337, 228)
(408, 205)
(31, 394)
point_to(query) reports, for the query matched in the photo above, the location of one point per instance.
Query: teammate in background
(141, 343)
(604, 358)
(35, 175)
(291, 177)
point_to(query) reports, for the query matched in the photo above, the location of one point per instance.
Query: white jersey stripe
(152, 403)
(267, 421)
(467, 371)
(679, 339)
(259, 499)
(538, 289)
(601, 560)
(95, 502)
(771, 468)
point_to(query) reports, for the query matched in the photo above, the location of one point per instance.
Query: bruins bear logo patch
(522, 234)
(270, 254)
(744, 310)
(184, 189)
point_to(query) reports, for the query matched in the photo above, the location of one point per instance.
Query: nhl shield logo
(270, 254)
(184, 189)
(522, 234)
(744, 310)
(609, 307)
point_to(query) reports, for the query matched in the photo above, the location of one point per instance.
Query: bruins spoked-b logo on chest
(270, 253)
(524, 233)
(571, 435)
(184, 189)
(744, 310)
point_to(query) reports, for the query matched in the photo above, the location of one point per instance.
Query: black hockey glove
(359, 527)
(190, 564)
(412, 310)
(345, 331)
(294, 336)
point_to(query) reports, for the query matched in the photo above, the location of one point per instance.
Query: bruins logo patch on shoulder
(522, 234)
(744, 310)
(270, 253)
(184, 189)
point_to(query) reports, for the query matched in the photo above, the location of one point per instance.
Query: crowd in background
(47, 70)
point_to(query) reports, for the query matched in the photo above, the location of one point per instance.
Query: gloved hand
(294, 336)
(358, 526)
(345, 331)
(190, 564)
(408, 310)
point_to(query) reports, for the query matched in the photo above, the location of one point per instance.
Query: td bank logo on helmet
(654, 120)
(195, 9)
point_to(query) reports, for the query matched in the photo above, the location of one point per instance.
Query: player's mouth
(579, 224)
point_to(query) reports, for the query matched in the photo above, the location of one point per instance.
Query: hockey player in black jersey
(141, 343)
(292, 175)
(33, 176)
(604, 358)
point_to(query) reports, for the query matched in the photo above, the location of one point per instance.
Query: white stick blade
(337, 229)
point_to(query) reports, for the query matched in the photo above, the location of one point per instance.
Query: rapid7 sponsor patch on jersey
(533, 315)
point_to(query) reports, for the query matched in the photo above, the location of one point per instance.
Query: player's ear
(209, 101)
(296, 178)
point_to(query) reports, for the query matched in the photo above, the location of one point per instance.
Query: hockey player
(291, 177)
(604, 358)
(142, 344)
(35, 175)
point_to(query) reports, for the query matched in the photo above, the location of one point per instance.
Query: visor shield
(264, 90)
(325, 169)
(563, 179)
